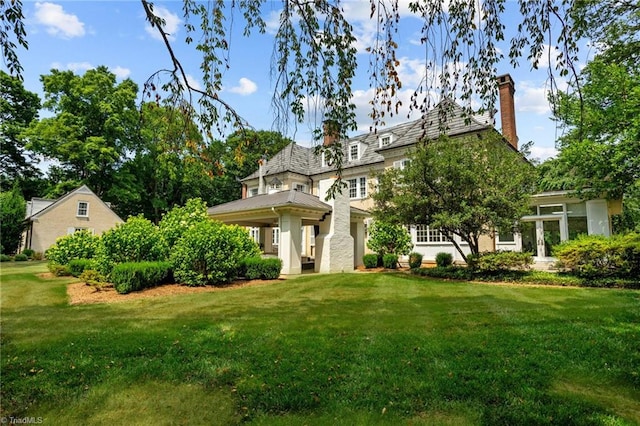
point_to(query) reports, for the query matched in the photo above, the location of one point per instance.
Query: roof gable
(84, 189)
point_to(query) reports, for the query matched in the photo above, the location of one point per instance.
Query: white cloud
(57, 22)
(121, 72)
(530, 97)
(171, 23)
(193, 82)
(244, 87)
(543, 153)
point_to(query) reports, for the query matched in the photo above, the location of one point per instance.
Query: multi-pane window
(425, 234)
(255, 234)
(385, 140)
(300, 187)
(354, 152)
(275, 236)
(83, 208)
(401, 164)
(358, 187)
(253, 192)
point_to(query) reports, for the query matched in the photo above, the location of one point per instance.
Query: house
(283, 203)
(47, 220)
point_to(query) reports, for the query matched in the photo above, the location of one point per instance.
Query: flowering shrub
(211, 253)
(79, 245)
(179, 219)
(136, 240)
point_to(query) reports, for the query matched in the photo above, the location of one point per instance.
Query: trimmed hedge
(500, 261)
(5, 258)
(390, 261)
(135, 276)
(415, 260)
(596, 256)
(257, 268)
(444, 259)
(370, 260)
(29, 253)
(77, 266)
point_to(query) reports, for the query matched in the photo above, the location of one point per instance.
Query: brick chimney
(507, 109)
(330, 131)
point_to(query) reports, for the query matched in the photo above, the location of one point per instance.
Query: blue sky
(79, 35)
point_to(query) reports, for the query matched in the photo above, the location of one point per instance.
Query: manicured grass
(323, 349)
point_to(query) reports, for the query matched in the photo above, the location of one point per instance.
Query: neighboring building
(297, 169)
(47, 220)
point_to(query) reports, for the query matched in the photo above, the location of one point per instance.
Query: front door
(540, 236)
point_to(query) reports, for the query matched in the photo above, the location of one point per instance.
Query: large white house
(283, 203)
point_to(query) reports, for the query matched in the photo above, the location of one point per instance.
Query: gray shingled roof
(302, 160)
(291, 198)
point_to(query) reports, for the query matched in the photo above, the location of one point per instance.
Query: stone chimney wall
(507, 109)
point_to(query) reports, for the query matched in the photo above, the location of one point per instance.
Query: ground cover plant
(384, 348)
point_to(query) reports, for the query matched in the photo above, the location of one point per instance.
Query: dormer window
(326, 162)
(385, 140)
(354, 151)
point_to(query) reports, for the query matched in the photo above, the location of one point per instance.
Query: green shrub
(136, 240)
(257, 268)
(37, 256)
(444, 259)
(58, 270)
(387, 237)
(29, 253)
(492, 262)
(415, 260)
(211, 253)
(390, 261)
(179, 219)
(135, 276)
(93, 278)
(5, 258)
(596, 256)
(448, 272)
(77, 266)
(370, 260)
(20, 257)
(79, 245)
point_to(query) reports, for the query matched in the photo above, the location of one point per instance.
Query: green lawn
(322, 349)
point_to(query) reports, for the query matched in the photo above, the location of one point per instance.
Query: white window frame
(252, 192)
(428, 235)
(255, 233)
(80, 209)
(385, 137)
(357, 187)
(301, 187)
(353, 157)
(275, 236)
(401, 164)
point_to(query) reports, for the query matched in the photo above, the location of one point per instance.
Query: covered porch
(300, 229)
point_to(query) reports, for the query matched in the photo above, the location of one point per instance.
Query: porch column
(290, 244)
(357, 232)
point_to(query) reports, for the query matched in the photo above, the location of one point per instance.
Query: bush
(444, 259)
(93, 278)
(136, 240)
(135, 276)
(596, 256)
(389, 238)
(179, 219)
(390, 261)
(20, 257)
(257, 268)
(5, 258)
(29, 253)
(211, 253)
(498, 261)
(370, 260)
(415, 260)
(79, 245)
(37, 256)
(448, 272)
(77, 266)
(58, 270)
